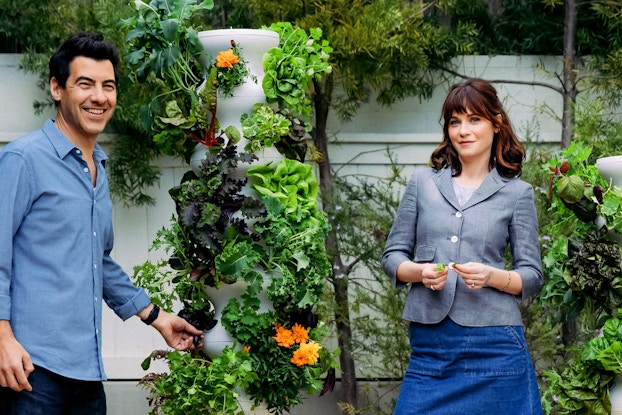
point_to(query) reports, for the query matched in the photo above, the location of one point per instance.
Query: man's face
(87, 102)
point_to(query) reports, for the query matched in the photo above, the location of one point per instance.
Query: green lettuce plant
(293, 231)
(291, 67)
(607, 348)
(264, 127)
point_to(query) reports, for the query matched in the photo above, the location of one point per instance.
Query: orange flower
(226, 59)
(284, 337)
(301, 335)
(307, 354)
(247, 349)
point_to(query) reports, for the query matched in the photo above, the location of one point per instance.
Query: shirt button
(86, 169)
(95, 234)
(94, 266)
(78, 151)
(454, 239)
(458, 214)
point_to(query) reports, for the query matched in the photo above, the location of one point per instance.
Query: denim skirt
(456, 370)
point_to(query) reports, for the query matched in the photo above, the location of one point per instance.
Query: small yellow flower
(307, 354)
(226, 59)
(284, 337)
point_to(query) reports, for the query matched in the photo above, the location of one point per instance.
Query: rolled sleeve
(130, 308)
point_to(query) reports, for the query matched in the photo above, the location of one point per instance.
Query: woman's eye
(475, 119)
(454, 122)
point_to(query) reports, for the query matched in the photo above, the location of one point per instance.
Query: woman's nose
(464, 128)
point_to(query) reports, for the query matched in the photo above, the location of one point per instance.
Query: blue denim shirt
(55, 242)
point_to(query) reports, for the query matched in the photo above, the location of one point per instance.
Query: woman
(449, 239)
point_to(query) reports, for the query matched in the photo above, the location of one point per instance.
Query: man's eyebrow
(84, 78)
(91, 80)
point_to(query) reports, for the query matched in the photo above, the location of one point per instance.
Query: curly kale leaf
(594, 268)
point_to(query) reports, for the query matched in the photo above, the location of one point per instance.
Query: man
(55, 242)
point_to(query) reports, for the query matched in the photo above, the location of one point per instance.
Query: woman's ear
(497, 123)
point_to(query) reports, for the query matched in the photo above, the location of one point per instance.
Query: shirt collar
(64, 146)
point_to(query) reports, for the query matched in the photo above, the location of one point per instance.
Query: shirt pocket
(425, 253)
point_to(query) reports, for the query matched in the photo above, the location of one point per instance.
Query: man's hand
(178, 333)
(15, 364)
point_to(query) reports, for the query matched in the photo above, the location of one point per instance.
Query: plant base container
(610, 168)
(246, 406)
(615, 396)
(218, 338)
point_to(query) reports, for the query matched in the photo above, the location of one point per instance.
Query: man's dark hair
(89, 45)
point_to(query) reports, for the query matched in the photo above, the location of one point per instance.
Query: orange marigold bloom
(307, 354)
(226, 59)
(284, 337)
(301, 335)
(247, 349)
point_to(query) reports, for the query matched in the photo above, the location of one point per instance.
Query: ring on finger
(432, 287)
(472, 283)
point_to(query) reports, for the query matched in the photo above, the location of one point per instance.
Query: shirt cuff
(5, 307)
(132, 307)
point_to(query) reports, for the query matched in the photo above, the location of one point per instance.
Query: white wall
(410, 129)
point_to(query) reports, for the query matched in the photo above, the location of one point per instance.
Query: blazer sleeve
(525, 243)
(400, 245)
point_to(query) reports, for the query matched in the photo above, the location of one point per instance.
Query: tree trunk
(569, 72)
(322, 98)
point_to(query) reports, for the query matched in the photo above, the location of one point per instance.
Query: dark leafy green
(594, 268)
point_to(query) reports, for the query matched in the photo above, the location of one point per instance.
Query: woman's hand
(474, 274)
(433, 279)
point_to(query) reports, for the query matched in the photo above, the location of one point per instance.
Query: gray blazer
(431, 226)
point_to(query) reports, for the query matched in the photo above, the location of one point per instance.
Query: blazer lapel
(491, 184)
(445, 186)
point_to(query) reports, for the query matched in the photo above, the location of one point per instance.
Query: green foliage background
(369, 43)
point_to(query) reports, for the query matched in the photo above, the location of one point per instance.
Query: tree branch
(507, 81)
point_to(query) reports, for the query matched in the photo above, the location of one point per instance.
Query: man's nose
(98, 94)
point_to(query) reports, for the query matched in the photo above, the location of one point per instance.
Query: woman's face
(472, 136)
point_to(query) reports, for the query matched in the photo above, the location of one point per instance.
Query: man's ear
(55, 89)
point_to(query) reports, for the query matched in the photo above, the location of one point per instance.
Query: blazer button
(458, 214)
(454, 239)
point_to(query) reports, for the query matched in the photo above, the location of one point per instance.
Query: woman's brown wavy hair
(480, 97)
